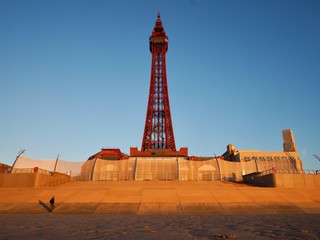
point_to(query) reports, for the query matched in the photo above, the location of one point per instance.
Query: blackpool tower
(158, 138)
(158, 130)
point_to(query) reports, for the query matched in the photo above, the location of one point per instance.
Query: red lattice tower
(158, 130)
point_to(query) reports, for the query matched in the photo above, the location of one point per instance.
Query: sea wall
(32, 180)
(18, 180)
(284, 180)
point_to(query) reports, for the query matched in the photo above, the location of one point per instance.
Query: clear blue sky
(75, 75)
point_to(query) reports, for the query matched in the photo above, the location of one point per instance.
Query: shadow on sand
(45, 206)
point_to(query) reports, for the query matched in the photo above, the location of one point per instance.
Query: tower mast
(158, 130)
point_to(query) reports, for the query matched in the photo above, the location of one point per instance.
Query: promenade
(161, 198)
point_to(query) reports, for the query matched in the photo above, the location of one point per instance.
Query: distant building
(109, 154)
(288, 159)
(4, 168)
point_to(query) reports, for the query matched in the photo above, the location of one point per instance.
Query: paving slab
(80, 195)
(263, 195)
(76, 208)
(230, 195)
(151, 195)
(159, 208)
(293, 196)
(120, 195)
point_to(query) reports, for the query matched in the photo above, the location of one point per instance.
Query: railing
(31, 170)
(113, 176)
(288, 171)
(205, 176)
(118, 176)
(56, 182)
(154, 177)
(82, 177)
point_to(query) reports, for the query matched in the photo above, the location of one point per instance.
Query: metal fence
(55, 183)
(291, 171)
(31, 170)
(175, 168)
(179, 169)
(156, 169)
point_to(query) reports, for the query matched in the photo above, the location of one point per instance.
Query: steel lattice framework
(158, 130)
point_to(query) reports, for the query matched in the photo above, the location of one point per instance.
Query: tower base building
(113, 165)
(230, 166)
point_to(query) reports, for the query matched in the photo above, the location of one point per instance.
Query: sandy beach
(101, 226)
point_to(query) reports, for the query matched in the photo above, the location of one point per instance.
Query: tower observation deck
(158, 136)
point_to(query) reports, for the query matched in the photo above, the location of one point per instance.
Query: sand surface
(102, 226)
